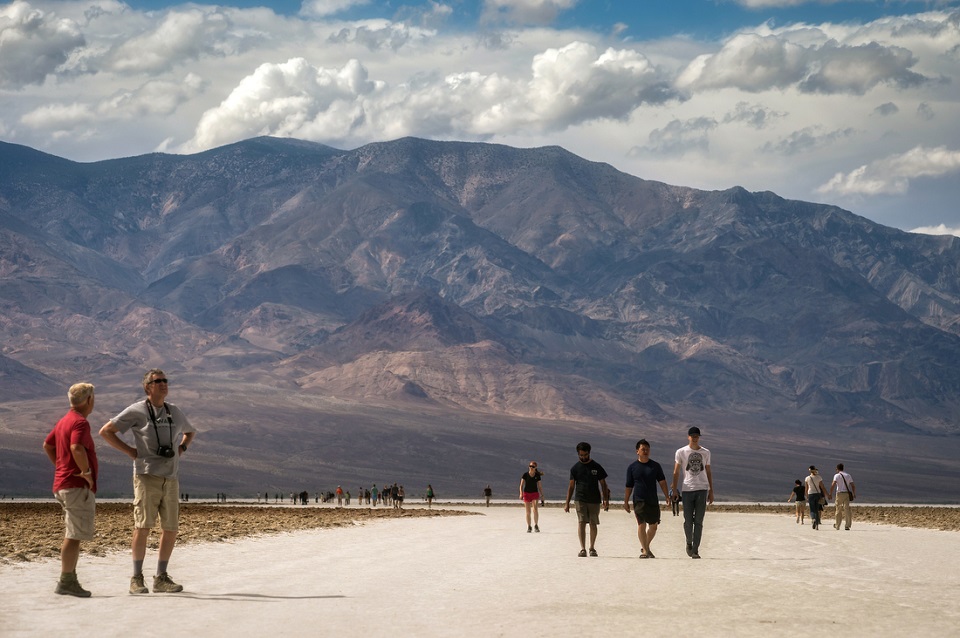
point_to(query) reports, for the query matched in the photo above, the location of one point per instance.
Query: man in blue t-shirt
(589, 480)
(643, 476)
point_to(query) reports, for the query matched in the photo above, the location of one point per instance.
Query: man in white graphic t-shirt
(697, 491)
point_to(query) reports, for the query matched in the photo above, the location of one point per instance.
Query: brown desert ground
(31, 531)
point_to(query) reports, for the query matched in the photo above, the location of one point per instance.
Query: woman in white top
(813, 489)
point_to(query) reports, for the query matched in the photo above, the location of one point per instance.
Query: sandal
(593, 552)
(583, 553)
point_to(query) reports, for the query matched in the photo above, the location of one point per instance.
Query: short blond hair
(79, 393)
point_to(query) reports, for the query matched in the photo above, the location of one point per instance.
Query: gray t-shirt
(171, 425)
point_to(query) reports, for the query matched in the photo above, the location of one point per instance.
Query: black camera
(166, 451)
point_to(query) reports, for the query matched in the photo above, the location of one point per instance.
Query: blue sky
(849, 103)
(644, 19)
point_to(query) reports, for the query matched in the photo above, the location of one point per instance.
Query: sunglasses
(157, 381)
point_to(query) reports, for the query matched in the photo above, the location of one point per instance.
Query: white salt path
(760, 575)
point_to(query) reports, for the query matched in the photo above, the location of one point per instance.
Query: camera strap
(153, 419)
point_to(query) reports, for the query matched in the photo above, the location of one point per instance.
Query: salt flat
(761, 575)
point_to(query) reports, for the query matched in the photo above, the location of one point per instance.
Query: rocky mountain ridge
(431, 269)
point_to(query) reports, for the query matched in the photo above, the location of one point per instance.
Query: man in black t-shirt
(643, 476)
(589, 480)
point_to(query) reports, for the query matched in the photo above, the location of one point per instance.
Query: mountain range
(446, 298)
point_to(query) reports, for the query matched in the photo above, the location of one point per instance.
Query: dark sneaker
(689, 549)
(68, 585)
(536, 528)
(137, 586)
(593, 552)
(162, 584)
(529, 529)
(695, 555)
(583, 553)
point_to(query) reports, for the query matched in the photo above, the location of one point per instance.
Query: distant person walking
(588, 480)
(694, 461)
(843, 491)
(797, 493)
(814, 491)
(429, 496)
(70, 448)
(643, 476)
(487, 494)
(161, 434)
(675, 501)
(531, 493)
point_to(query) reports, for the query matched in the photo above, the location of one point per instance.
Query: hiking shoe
(536, 528)
(583, 553)
(162, 584)
(593, 552)
(137, 586)
(68, 585)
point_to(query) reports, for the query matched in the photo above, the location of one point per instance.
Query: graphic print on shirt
(694, 463)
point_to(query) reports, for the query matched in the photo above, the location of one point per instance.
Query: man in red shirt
(70, 448)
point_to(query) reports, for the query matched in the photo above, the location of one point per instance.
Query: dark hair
(839, 467)
(642, 442)
(798, 482)
(583, 446)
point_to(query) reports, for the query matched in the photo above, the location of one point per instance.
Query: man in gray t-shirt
(161, 433)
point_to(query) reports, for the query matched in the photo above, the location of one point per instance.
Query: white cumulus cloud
(892, 175)
(754, 62)
(155, 97)
(565, 86)
(289, 99)
(33, 44)
(181, 36)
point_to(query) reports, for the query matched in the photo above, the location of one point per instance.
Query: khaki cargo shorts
(79, 507)
(155, 496)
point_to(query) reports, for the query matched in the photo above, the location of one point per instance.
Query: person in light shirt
(161, 434)
(693, 461)
(843, 490)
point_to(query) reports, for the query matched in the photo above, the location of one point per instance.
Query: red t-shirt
(72, 428)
